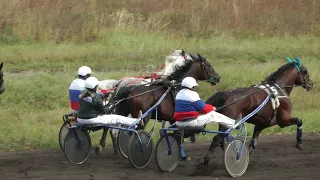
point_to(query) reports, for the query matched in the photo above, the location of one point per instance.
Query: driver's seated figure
(91, 108)
(188, 105)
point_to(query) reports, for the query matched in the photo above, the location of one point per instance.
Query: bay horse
(242, 101)
(144, 97)
(1, 79)
(141, 97)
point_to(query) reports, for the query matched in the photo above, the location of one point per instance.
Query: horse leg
(192, 138)
(256, 133)
(216, 141)
(202, 167)
(299, 133)
(102, 142)
(113, 134)
(284, 122)
(221, 144)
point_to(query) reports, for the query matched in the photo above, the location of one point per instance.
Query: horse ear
(288, 60)
(298, 61)
(200, 57)
(193, 57)
(1, 65)
(183, 53)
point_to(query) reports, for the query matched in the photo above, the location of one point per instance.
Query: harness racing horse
(141, 98)
(242, 101)
(1, 79)
(144, 97)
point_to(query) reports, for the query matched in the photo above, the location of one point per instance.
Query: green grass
(133, 50)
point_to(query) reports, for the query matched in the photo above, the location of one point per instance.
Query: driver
(190, 110)
(188, 105)
(77, 86)
(92, 111)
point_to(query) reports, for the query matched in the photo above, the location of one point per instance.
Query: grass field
(42, 50)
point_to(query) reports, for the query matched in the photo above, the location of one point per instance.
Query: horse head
(303, 79)
(208, 73)
(290, 74)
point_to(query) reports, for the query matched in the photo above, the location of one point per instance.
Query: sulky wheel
(123, 142)
(77, 146)
(140, 152)
(166, 160)
(62, 135)
(235, 166)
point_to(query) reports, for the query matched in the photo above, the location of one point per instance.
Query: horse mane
(179, 71)
(176, 58)
(275, 75)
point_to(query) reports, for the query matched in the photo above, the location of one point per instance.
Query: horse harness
(276, 93)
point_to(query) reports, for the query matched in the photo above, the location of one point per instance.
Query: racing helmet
(91, 83)
(189, 82)
(84, 70)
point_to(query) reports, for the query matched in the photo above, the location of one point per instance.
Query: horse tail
(218, 99)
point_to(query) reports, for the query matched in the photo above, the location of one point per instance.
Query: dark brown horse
(199, 68)
(242, 101)
(144, 97)
(1, 80)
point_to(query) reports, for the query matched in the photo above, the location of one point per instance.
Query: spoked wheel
(62, 135)
(123, 142)
(236, 166)
(167, 159)
(77, 146)
(140, 152)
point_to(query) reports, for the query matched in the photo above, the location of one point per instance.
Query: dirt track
(275, 158)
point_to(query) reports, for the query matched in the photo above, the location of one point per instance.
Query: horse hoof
(299, 146)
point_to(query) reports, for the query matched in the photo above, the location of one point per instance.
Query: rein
(242, 97)
(299, 85)
(140, 94)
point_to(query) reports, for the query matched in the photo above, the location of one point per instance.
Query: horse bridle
(305, 83)
(204, 70)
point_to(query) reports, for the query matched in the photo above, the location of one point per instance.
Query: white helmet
(84, 70)
(189, 82)
(91, 82)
